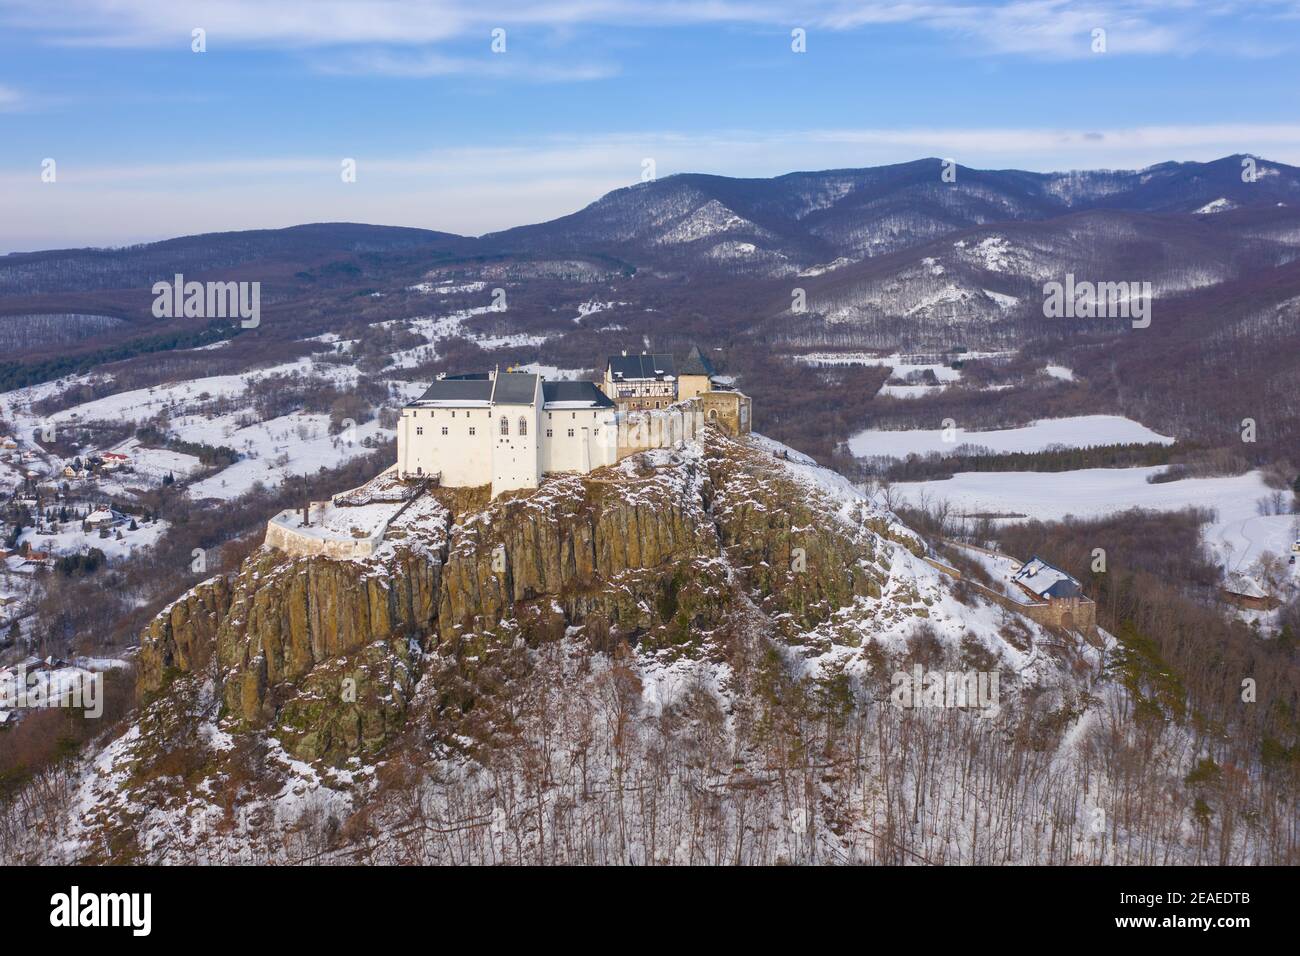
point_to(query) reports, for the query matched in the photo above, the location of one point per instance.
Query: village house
(1244, 591)
(29, 561)
(111, 460)
(8, 443)
(103, 518)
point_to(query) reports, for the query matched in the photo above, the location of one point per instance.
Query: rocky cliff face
(182, 638)
(327, 654)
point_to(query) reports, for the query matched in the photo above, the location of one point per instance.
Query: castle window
(444, 429)
(419, 430)
(570, 432)
(523, 425)
(505, 425)
(471, 430)
(550, 433)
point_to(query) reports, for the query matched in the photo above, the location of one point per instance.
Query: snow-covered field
(553, 373)
(1079, 432)
(1239, 535)
(140, 405)
(71, 539)
(909, 391)
(274, 450)
(149, 466)
(292, 444)
(435, 327)
(445, 288)
(901, 364)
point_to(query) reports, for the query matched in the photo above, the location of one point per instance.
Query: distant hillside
(778, 226)
(77, 270)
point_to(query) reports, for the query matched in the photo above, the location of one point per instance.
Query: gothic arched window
(505, 425)
(523, 425)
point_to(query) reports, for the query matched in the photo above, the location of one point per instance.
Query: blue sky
(151, 139)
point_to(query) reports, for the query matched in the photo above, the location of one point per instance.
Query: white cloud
(10, 99)
(1038, 28)
(471, 190)
(422, 64)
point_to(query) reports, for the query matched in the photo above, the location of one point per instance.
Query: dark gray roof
(1063, 589)
(514, 388)
(458, 390)
(1046, 579)
(575, 392)
(642, 366)
(697, 363)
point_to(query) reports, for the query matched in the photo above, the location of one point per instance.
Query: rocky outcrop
(182, 637)
(287, 620)
(326, 654)
(596, 547)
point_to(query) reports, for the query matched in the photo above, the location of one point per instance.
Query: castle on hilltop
(508, 429)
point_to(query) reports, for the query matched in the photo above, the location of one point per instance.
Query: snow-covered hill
(721, 672)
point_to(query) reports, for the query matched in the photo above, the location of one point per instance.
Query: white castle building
(508, 429)
(505, 429)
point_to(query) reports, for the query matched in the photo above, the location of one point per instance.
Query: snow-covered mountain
(802, 219)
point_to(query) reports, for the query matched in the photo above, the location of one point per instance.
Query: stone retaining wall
(297, 542)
